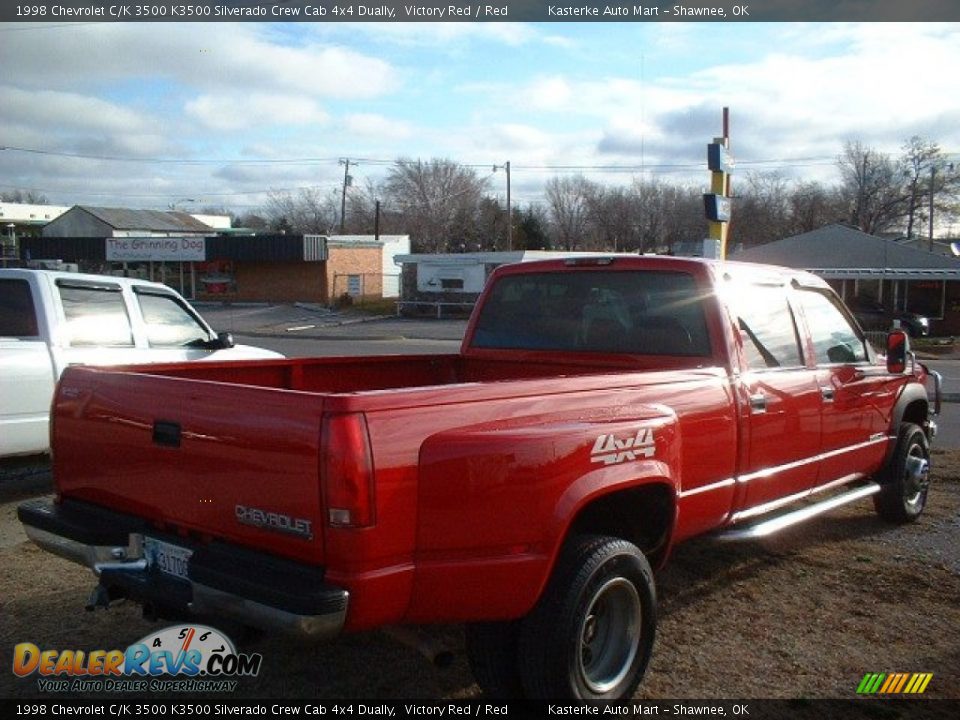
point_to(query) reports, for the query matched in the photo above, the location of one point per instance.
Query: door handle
(827, 394)
(758, 403)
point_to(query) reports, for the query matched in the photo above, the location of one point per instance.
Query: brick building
(238, 268)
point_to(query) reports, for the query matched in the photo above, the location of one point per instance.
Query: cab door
(779, 400)
(856, 394)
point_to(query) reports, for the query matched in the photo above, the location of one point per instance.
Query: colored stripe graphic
(894, 683)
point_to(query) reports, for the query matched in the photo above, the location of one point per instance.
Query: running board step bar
(768, 527)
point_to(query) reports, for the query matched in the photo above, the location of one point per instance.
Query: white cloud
(239, 112)
(199, 55)
(67, 111)
(551, 93)
(376, 126)
(878, 82)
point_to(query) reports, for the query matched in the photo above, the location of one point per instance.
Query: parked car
(600, 411)
(872, 315)
(51, 320)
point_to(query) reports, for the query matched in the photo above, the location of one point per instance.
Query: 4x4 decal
(610, 450)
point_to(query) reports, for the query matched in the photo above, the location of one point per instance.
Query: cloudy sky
(153, 115)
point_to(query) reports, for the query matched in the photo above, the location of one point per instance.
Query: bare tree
(309, 210)
(611, 218)
(812, 206)
(28, 197)
(921, 158)
(437, 200)
(872, 187)
(568, 200)
(762, 208)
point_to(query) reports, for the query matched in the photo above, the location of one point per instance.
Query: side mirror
(898, 347)
(225, 340)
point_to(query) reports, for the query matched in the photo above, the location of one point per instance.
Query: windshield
(634, 312)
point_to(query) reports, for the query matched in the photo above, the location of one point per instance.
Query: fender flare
(911, 393)
(602, 483)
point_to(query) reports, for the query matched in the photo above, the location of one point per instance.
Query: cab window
(168, 322)
(835, 338)
(95, 315)
(767, 328)
(18, 318)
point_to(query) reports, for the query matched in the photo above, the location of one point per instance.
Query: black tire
(492, 653)
(591, 634)
(906, 478)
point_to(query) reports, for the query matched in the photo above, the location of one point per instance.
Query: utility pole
(506, 167)
(343, 196)
(933, 173)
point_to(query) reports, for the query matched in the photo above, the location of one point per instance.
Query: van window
(18, 317)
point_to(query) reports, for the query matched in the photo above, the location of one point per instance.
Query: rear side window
(18, 317)
(605, 311)
(169, 324)
(767, 327)
(96, 316)
(835, 340)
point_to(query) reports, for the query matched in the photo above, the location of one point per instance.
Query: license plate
(171, 559)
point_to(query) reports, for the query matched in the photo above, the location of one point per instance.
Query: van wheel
(492, 654)
(591, 634)
(906, 478)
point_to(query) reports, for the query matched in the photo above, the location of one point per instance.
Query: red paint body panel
(481, 460)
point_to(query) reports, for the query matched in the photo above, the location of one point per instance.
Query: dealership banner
(469, 11)
(156, 249)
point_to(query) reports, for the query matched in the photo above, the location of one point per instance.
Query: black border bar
(392, 11)
(225, 705)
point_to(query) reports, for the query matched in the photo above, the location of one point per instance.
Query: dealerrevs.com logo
(179, 658)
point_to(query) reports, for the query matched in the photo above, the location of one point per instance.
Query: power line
(602, 168)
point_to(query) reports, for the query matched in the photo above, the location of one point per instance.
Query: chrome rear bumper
(221, 581)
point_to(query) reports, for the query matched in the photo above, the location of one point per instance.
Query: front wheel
(905, 480)
(591, 634)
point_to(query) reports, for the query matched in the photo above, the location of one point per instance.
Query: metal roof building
(857, 264)
(87, 221)
(839, 252)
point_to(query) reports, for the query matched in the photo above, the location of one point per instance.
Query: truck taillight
(347, 470)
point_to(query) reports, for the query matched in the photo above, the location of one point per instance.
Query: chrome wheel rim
(917, 476)
(609, 637)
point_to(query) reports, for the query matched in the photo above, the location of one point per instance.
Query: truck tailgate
(208, 460)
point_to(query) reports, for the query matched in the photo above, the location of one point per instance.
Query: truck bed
(348, 375)
(220, 413)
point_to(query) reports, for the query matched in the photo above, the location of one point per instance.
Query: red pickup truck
(600, 411)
